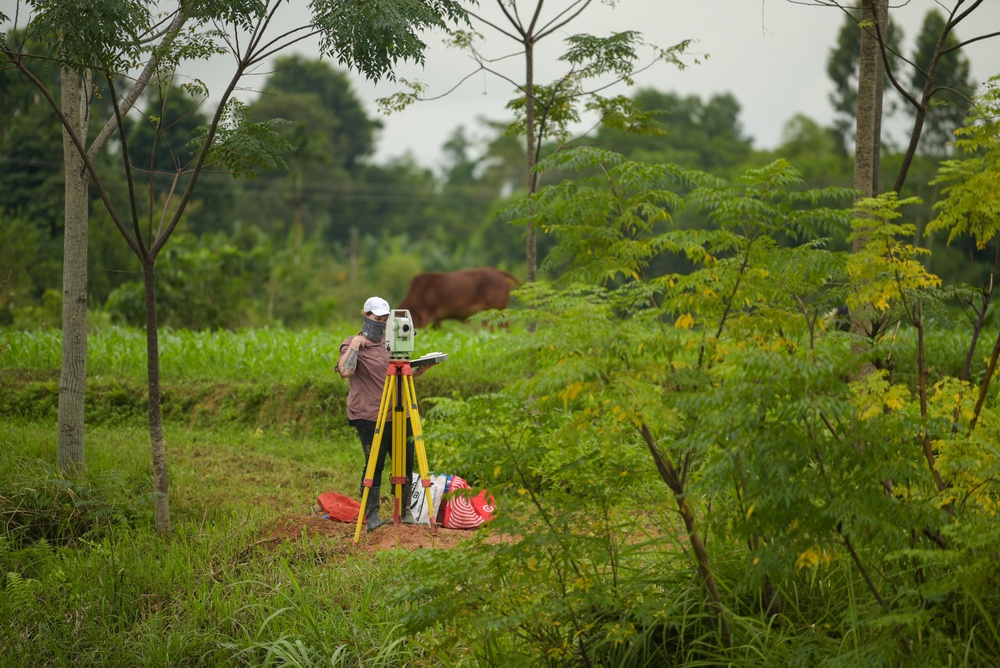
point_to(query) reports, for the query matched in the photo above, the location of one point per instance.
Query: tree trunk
(529, 144)
(870, 75)
(867, 146)
(882, 21)
(158, 447)
(73, 376)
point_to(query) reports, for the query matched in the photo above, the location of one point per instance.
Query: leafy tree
(728, 388)
(68, 37)
(544, 112)
(158, 148)
(110, 39)
(873, 65)
(971, 209)
(352, 136)
(813, 150)
(20, 257)
(742, 268)
(329, 134)
(878, 60)
(699, 134)
(480, 175)
(30, 155)
(290, 200)
(944, 58)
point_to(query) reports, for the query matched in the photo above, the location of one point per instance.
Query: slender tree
(868, 128)
(545, 111)
(107, 37)
(878, 58)
(56, 24)
(842, 68)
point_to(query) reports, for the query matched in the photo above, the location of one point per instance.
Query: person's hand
(419, 371)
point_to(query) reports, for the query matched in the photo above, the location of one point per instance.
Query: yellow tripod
(397, 394)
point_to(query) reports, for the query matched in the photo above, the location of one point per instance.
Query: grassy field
(255, 431)
(589, 561)
(101, 589)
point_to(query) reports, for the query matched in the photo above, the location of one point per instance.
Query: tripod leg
(418, 444)
(398, 448)
(368, 482)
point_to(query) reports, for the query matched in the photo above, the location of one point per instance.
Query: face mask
(373, 330)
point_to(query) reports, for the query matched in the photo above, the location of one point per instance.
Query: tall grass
(108, 591)
(254, 355)
(85, 580)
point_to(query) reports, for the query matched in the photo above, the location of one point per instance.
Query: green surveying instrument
(399, 398)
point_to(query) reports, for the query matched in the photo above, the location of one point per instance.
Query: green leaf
(373, 35)
(241, 147)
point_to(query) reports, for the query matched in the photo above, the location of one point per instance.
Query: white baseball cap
(377, 306)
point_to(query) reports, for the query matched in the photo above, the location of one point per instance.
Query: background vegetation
(294, 246)
(694, 464)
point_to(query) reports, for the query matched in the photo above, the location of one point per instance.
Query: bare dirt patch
(389, 536)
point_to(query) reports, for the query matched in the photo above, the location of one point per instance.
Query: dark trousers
(366, 432)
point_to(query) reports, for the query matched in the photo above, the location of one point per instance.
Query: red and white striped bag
(454, 512)
(463, 512)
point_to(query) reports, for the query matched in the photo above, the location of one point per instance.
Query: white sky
(770, 54)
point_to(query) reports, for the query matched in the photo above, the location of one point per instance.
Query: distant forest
(297, 244)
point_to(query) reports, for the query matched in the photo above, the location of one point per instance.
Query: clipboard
(429, 359)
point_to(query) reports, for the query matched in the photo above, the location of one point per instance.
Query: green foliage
(971, 205)
(693, 133)
(105, 35)
(240, 147)
(622, 211)
(349, 135)
(593, 56)
(813, 150)
(38, 504)
(884, 270)
(816, 491)
(373, 36)
(239, 14)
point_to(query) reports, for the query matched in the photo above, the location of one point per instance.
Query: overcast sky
(770, 54)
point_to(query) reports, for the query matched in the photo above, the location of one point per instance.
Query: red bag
(461, 512)
(338, 507)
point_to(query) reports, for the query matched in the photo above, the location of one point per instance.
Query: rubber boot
(407, 514)
(372, 520)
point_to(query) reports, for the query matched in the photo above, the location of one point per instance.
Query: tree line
(291, 245)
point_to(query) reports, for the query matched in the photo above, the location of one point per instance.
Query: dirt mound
(387, 537)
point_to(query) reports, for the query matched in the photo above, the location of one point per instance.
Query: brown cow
(456, 295)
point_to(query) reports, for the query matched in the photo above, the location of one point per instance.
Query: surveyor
(364, 361)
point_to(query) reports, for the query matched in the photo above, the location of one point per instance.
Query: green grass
(85, 581)
(258, 355)
(216, 592)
